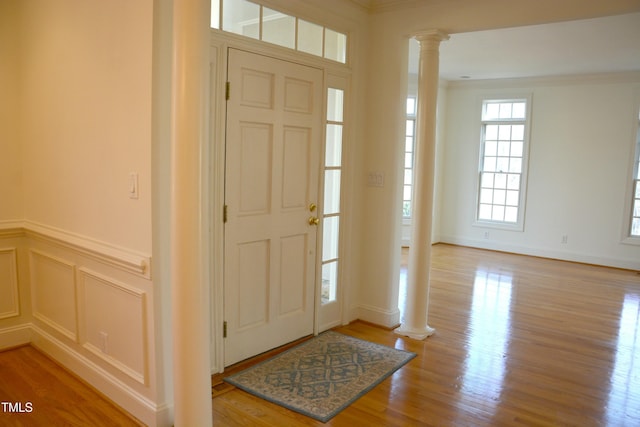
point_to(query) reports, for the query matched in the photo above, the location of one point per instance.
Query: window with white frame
(253, 20)
(409, 146)
(634, 229)
(503, 159)
(334, 126)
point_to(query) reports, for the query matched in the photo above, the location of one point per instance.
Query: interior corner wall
(582, 135)
(11, 189)
(75, 247)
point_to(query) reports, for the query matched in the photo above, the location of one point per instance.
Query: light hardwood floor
(519, 341)
(49, 396)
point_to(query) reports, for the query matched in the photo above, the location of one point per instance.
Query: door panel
(274, 128)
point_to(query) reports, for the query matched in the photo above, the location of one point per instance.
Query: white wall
(582, 135)
(86, 117)
(11, 207)
(75, 249)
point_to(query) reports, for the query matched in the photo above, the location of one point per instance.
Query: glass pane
(635, 227)
(408, 144)
(499, 197)
(278, 28)
(511, 214)
(513, 181)
(484, 212)
(309, 38)
(516, 148)
(503, 164)
(489, 164)
(490, 148)
(505, 110)
(491, 132)
(517, 132)
(333, 155)
(329, 282)
(504, 132)
(406, 209)
(498, 213)
(519, 110)
(487, 180)
(335, 45)
(406, 194)
(638, 189)
(409, 128)
(636, 208)
(215, 14)
(331, 192)
(503, 148)
(501, 180)
(486, 196)
(411, 106)
(515, 165)
(241, 17)
(512, 198)
(335, 103)
(408, 160)
(408, 175)
(491, 111)
(330, 238)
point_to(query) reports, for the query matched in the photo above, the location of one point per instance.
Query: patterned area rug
(322, 376)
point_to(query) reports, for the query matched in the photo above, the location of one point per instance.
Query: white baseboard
(117, 391)
(543, 253)
(378, 316)
(15, 336)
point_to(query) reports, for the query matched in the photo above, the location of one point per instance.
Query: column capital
(431, 36)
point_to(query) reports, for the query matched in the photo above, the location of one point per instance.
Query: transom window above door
(253, 20)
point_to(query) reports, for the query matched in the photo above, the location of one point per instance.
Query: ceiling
(590, 46)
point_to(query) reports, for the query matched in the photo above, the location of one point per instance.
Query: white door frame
(214, 176)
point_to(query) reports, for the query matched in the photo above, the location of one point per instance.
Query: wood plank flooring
(55, 397)
(519, 341)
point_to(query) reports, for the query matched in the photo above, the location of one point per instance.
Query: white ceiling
(601, 45)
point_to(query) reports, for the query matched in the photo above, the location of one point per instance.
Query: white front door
(273, 143)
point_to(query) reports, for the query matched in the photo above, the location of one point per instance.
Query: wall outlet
(133, 185)
(104, 342)
(565, 239)
(486, 235)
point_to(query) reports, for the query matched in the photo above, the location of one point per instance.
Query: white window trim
(627, 238)
(519, 224)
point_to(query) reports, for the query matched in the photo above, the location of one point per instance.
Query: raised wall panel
(9, 303)
(253, 283)
(256, 168)
(293, 254)
(53, 293)
(113, 323)
(295, 167)
(298, 96)
(257, 89)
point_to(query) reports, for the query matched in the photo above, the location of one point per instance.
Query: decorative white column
(189, 293)
(417, 307)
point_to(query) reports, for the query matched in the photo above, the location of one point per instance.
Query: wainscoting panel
(53, 292)
(9, 303)
(113, 323)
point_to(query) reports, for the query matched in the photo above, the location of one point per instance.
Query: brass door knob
(313, 220)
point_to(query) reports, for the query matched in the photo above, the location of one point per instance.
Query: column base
(416, 334)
